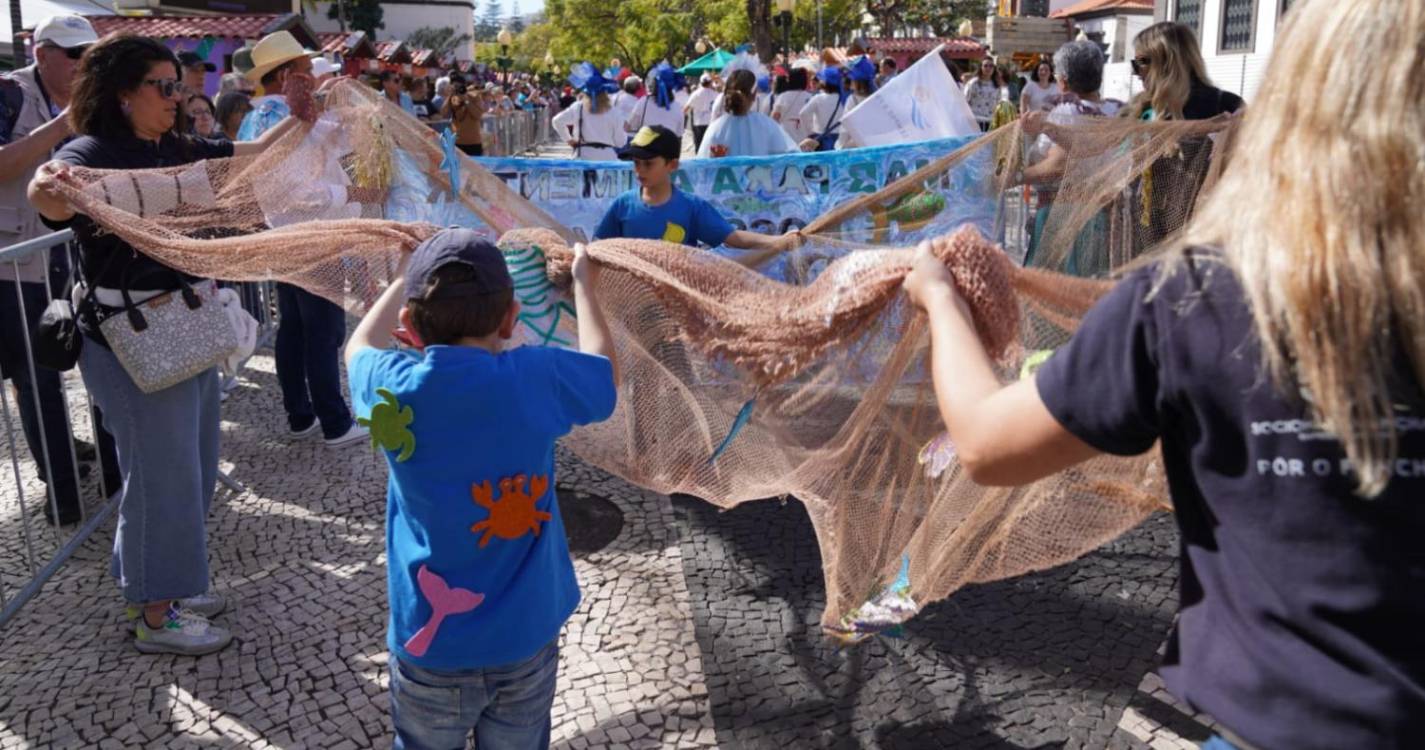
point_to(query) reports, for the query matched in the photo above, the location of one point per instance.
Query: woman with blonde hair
(1167, 59)
(593, 125)
(1277, 356)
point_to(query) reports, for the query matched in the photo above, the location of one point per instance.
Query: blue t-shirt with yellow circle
(478, 569)
(684, 219)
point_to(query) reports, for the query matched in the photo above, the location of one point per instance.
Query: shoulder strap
(831, 122)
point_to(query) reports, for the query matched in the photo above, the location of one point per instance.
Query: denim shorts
(507, 706)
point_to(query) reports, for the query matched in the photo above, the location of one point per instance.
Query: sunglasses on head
(167, 87)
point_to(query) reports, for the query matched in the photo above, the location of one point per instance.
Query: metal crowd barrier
(511, 133)
(31, 549)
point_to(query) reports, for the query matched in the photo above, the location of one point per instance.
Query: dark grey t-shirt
(1302, 605)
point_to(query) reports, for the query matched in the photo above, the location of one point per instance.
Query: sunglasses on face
(73, 53)
(167, 87)
(1139, 64)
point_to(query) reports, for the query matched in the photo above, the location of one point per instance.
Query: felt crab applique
(388, 424)
(514, 513)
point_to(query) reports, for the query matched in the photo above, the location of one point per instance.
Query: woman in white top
(861, 73)
(822, 115)
(594, 126)
(661, 105)
(743, 131)
(984, 93)
(790, 100)
(1038, 92)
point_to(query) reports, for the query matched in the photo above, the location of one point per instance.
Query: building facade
(1112, 24)
(1236, 37)
(402, 18)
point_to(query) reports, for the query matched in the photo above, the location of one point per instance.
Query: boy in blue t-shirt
(659, 211)
(478, 572)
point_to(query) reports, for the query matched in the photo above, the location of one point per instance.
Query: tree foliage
(442, 40)
(944, 17)
(489, 23)
(361, 15)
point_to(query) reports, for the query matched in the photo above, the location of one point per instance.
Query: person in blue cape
(742, 131)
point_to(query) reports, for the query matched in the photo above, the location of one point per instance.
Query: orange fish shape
(514, 513)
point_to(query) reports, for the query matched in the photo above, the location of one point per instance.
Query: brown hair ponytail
(739, 97)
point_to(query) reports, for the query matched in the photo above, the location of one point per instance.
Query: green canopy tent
(713, 61)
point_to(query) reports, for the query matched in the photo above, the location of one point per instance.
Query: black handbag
(57, 338)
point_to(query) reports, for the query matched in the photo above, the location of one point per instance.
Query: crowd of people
(745, 109)
(1284, 328)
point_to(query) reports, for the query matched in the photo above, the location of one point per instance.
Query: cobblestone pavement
(698, 628)
(1047, 660)
(300, 553)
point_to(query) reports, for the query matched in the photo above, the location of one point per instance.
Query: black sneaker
(68, 514)
(85, 452)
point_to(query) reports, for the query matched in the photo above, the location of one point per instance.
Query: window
(1239, 26)
(1189, 14)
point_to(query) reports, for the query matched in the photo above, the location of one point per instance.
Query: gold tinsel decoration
(372, 165)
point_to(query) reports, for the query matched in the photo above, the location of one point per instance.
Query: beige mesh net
(736, 386)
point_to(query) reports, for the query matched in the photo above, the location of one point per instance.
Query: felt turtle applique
(389, 423)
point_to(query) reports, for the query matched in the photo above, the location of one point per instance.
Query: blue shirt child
(683, 219)
(478, 569)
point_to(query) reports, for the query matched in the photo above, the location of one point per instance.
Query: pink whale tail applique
(444, 600)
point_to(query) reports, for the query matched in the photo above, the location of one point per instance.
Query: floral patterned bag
(170, 338)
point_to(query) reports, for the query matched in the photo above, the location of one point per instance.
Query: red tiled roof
(390, 51)
(1086, 7)
(926, 44)
(350, 44)
(161, 27)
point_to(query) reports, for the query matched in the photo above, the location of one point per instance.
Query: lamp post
(701, 46)
(784, 15)
(505, 38)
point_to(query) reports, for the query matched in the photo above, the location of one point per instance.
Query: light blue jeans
(507, 707)
(168, 454)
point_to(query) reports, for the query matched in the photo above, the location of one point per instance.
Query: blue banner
(776, 194)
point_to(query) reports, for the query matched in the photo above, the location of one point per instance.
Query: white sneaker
(183, 632)
(209, 604)
(354, 434)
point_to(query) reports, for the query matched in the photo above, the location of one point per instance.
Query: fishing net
(809, 382)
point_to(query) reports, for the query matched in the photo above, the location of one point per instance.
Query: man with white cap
(313, 329)
(700, 104)
(33, 101)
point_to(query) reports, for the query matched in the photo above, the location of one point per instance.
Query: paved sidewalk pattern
(698, 628)
(300, 554)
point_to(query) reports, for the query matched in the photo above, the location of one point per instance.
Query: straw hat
(274, 50)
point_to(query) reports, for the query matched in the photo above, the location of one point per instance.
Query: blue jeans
(507, 707)
(168, 453)
(310, 334)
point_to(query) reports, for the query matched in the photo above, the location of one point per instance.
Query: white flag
(921, 104)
